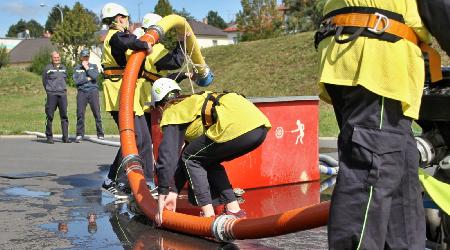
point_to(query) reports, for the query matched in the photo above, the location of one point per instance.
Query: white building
(208, 36)
(10, 43)
(233, 33)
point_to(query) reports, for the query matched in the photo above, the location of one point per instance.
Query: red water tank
(288, 155)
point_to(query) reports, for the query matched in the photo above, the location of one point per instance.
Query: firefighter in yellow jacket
(160, 63)
(116, 47)
(157, 65)
(372, 71)
(215, 128)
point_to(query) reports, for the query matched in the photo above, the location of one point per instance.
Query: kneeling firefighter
(216, 127)
(117, 46)
(372, 72)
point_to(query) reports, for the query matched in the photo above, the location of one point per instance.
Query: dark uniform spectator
(85, 76)
(372, 71)
(117, 45)
(215, 128)
(54, 81)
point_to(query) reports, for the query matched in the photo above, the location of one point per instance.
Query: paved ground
(53, 212)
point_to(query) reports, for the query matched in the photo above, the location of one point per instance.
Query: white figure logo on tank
(301, 132)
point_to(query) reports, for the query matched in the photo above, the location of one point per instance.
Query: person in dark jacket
(85, 76)
(54, 81)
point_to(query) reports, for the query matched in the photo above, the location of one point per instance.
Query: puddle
(20, 191)
(96, 222)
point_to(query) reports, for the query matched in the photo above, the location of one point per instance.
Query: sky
(14, 10)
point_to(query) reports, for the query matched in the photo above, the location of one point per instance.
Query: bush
(4, 56)
(43, 57)
(40, 60)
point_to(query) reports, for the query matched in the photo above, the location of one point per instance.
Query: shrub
(4, 56)
(40, 60)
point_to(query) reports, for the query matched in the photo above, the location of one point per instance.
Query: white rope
(188, 60)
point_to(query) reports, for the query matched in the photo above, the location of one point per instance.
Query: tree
(76, 31)
(163, 8)
(259, 19)
(303, 15)
(4, 56)
(184, 13)
(215, 20)
(54, 17)
(36, 30)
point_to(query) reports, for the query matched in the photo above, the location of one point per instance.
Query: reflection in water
(268, 201)
(96, 222)
(138, 232)
(62, 227)
(20, 191)
(92, 223)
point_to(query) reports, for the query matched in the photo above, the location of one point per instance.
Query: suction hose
(223, 228)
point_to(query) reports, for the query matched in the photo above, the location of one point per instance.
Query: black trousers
(377, 202)
(201, 162)
(56, 101)
(144, 145)
(91, 98)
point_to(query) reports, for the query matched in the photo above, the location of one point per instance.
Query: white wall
(208, 41)
(95, 57)
(9, 43)
(233, 37)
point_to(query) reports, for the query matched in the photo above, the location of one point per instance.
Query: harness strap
(113, 72)
(209, 114)
(117, 73)
(149, 76)
(374, 23)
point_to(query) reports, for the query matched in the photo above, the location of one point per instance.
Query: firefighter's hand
(161, 204)
(150, 49)
(171, 201)
(183, 35)
(189, 75)
(85, 64)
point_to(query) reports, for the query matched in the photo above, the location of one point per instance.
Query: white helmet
(138, 32)
(150, 19)
(112, 10)
(162, 87)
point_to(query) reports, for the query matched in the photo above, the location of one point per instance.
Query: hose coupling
(222, 228)
(206, 78)
(158, 30)
(132, 162)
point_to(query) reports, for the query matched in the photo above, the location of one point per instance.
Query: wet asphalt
(69, 211)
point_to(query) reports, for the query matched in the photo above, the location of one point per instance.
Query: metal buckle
(380, 18)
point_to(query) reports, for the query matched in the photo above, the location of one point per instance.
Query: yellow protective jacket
(158, 52)
(235, 117)
(393, 70)
(111, 88)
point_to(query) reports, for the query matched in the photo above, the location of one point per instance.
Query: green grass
(22, 100)
(283, 66)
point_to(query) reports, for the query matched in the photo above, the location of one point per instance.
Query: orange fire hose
(224, 228)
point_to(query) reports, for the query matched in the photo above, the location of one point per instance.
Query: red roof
(231, 29)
